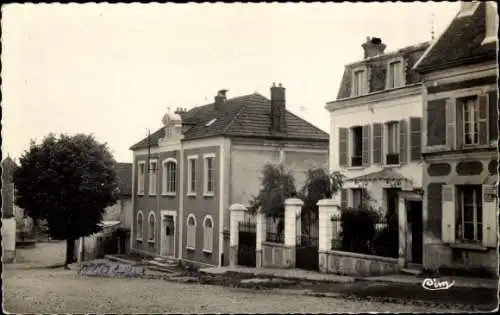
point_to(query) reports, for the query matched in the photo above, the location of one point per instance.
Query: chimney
(373, 47)
(220, 99)
(278, 108)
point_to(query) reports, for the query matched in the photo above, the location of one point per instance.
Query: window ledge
(208, 194)
(470, 246)
(151, 241)
(138, 239)
(390, 165)
(140, 194)
(191, 194)
(151, 195)
(190, 248)
(489, 39)
(207, 251)
(169, 194)
(353, 168)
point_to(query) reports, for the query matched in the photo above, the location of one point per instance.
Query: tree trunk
(70, 251)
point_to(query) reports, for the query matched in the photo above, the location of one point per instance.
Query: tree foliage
(67, 182)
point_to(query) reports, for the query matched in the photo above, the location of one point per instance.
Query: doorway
(416, 221)
(167, 247)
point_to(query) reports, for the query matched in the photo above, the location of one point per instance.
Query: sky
(113, 70)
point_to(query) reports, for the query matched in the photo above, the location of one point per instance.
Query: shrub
(386, 241)
(358, 229)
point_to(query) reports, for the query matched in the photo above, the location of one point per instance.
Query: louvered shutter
(343, 198)
(450, 124)
(377, 143)
(493, 115)
(436, 122)
(415, 138)
(483, 119)
(489, 216)
(366, 145)
(403, 142)
(448, 214)
(343, 147)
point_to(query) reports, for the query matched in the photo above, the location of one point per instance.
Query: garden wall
(354, 264)
(277, 255)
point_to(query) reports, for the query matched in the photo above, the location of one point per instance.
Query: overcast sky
(112, 70)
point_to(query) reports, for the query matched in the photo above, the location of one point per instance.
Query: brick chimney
(373, 47)
(278, 108)
(220, 99)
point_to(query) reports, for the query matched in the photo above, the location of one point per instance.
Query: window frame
(151, 232)
(190, 178)
(364, 88)
(139, 235)
(191, 231)
(352, 145)
(206, 178)
(154, 178)
(463, 106)
(401, 74)
(141, 178)
(354, 191)
(476, 208)
(208, 238)
(167, 177)
(395, 150)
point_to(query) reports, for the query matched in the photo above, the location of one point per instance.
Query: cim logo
(435, 284)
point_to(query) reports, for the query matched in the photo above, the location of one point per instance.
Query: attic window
(210, 122)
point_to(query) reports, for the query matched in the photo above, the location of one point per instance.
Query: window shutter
(436, 122)
(459, 125)
(343, 198)
(377, 143)
(483, 119)
(450, 124)
(366, 145)
(489, 216)
(343, 147)
(415, 138)
(403, 142)
(448, 215)
(493, 114)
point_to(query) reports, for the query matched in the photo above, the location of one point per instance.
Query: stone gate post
(260, 237)
(327, 210)
(237, 213)
(293, 208)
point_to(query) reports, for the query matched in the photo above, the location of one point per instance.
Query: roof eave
(456, 63)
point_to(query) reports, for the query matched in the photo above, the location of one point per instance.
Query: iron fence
(275, 229)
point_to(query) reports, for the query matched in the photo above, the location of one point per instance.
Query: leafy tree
(67, 182)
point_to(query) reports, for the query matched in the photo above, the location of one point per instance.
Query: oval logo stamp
(436, 284)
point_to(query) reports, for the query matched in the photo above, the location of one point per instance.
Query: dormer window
(395, 74)
(359, 82)
(210, 122)
(491, 23)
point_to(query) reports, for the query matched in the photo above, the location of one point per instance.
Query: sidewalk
(299, 274)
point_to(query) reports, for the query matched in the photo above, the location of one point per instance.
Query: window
(208, 184)
(357, 197)
(358, 86)
(151, 227)
(208, 234)
(395, 75)
(153, 170)
(469, 216)
(191, 232)
(392, 156)
(169, 177)
(140, 177)
(140, 227)
(191, 175)
(470, 114)
(357, 146)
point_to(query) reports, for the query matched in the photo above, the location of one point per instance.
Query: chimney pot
(373, 47)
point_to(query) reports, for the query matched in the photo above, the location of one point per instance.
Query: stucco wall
(8, 239)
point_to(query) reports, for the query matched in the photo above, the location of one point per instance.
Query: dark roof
(246, 116)
(387, 174)
(378, 68)
(460, 44)
(124, 174)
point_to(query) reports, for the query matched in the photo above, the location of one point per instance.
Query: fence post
(237, 213)
(293, 208)
(260, 237)
(328, 209)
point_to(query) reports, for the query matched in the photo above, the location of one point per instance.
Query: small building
(460, 136)
(375, 138)
(188, 172)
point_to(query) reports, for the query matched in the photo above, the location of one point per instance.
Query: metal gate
(246, 246)
(306, 250)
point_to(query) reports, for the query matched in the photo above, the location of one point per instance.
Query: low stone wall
(277, 255)
(8, 239)
(354, 264)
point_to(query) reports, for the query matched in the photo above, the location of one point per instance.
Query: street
(33, 285)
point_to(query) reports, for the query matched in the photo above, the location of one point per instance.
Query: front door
(416, 222)
(168, 236)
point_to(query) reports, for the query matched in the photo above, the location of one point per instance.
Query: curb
(346, 280)
(122, 260)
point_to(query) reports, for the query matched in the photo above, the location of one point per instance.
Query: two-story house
(460, 132)
(188, 173)
(375, 138)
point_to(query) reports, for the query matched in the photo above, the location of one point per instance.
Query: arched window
(169, 176)
(208, 234)
(151, 227)
(140, 227)
(191, 232)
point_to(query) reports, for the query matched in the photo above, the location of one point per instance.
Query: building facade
(375, 138)
(204, 160)
(461, 142)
